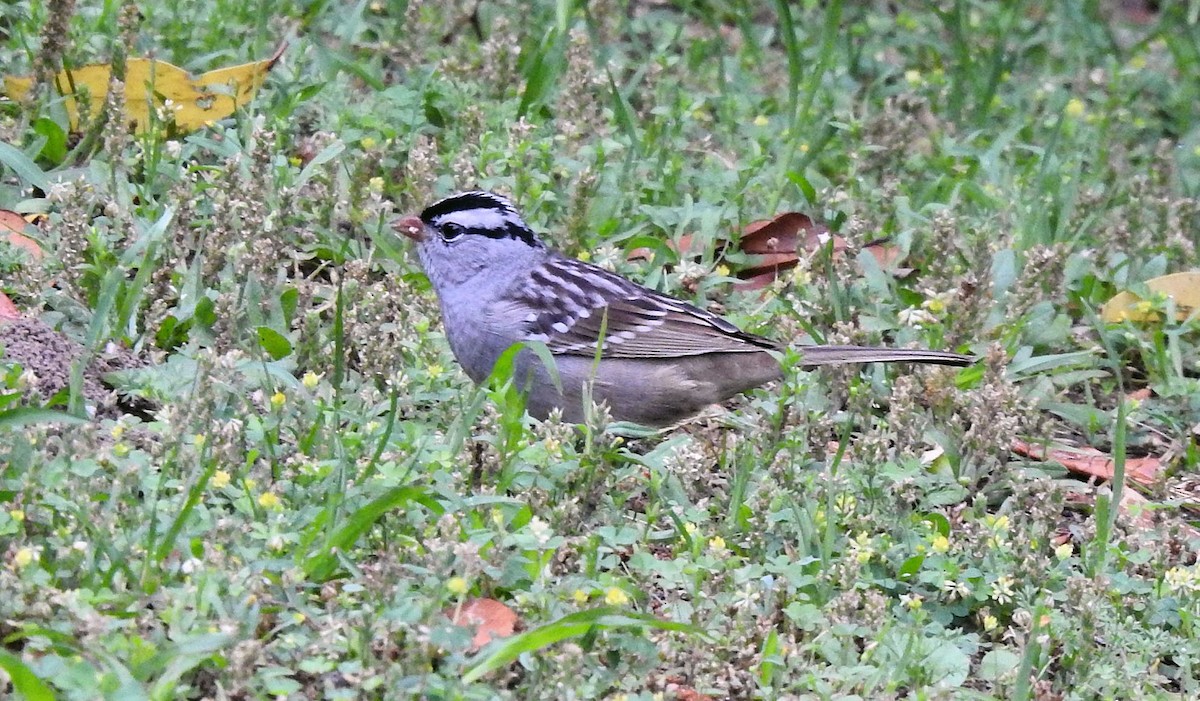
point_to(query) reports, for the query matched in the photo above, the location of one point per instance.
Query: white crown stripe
(477, 219)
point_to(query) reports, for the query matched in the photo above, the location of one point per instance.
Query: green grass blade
(23, 166)
(29, 416)
(323, 564)
(570, 626)
(24, 681)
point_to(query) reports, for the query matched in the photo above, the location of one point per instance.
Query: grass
(309, 482)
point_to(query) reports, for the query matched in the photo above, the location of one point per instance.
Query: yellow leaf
(149, 83)
(1184, 288)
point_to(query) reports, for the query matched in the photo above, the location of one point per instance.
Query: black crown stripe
(462, 202)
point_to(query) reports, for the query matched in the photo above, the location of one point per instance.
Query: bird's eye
(451, 231)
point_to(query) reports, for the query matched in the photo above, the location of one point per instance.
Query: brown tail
(840, 355)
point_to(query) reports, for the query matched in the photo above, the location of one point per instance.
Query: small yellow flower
(456, 586)
(310, 380)
(278, 399)
(990, 622)
(690, 528)
(24, 557)
(722, 270)
(1075, 108)
(912, 602)
(1138, 62)
(615, 596)
(716, 544)
(761, 121)
(251, 483)
(1064, 551)
(367, 143)
(997, 523)
(269, 500)
(434, 371)
(584, 256)
(120, 450)
(912, 76)
(375, 184)
(580, 597)
(220, 479)
(117, 431)
(17, 515)
(941, 544)
(199, 440)
(934, 305)
(803, 148)
(298, 617)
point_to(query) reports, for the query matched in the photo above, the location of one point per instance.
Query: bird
(653, 359)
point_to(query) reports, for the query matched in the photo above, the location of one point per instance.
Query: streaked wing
(569, 304)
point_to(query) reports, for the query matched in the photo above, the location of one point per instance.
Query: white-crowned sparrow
(661, 359)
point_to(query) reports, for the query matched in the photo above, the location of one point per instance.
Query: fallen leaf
(776, 244)
(887, 254)
(1184, 288)
(12, 229)
(676, 686)
(788, 233)
(490, 619)
(1092, 462)
(8, 310)
(150, 82)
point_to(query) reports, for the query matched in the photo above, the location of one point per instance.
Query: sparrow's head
(462, 235)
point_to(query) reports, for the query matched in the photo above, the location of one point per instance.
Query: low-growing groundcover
(297, 482)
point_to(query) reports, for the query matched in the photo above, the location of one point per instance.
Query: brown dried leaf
(774, 246)
(12, 229)
(787, 233)
(490, 619)
(8, 310)
(887, 255)
(1092, 462)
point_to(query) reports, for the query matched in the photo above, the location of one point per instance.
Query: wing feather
(569, 305)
